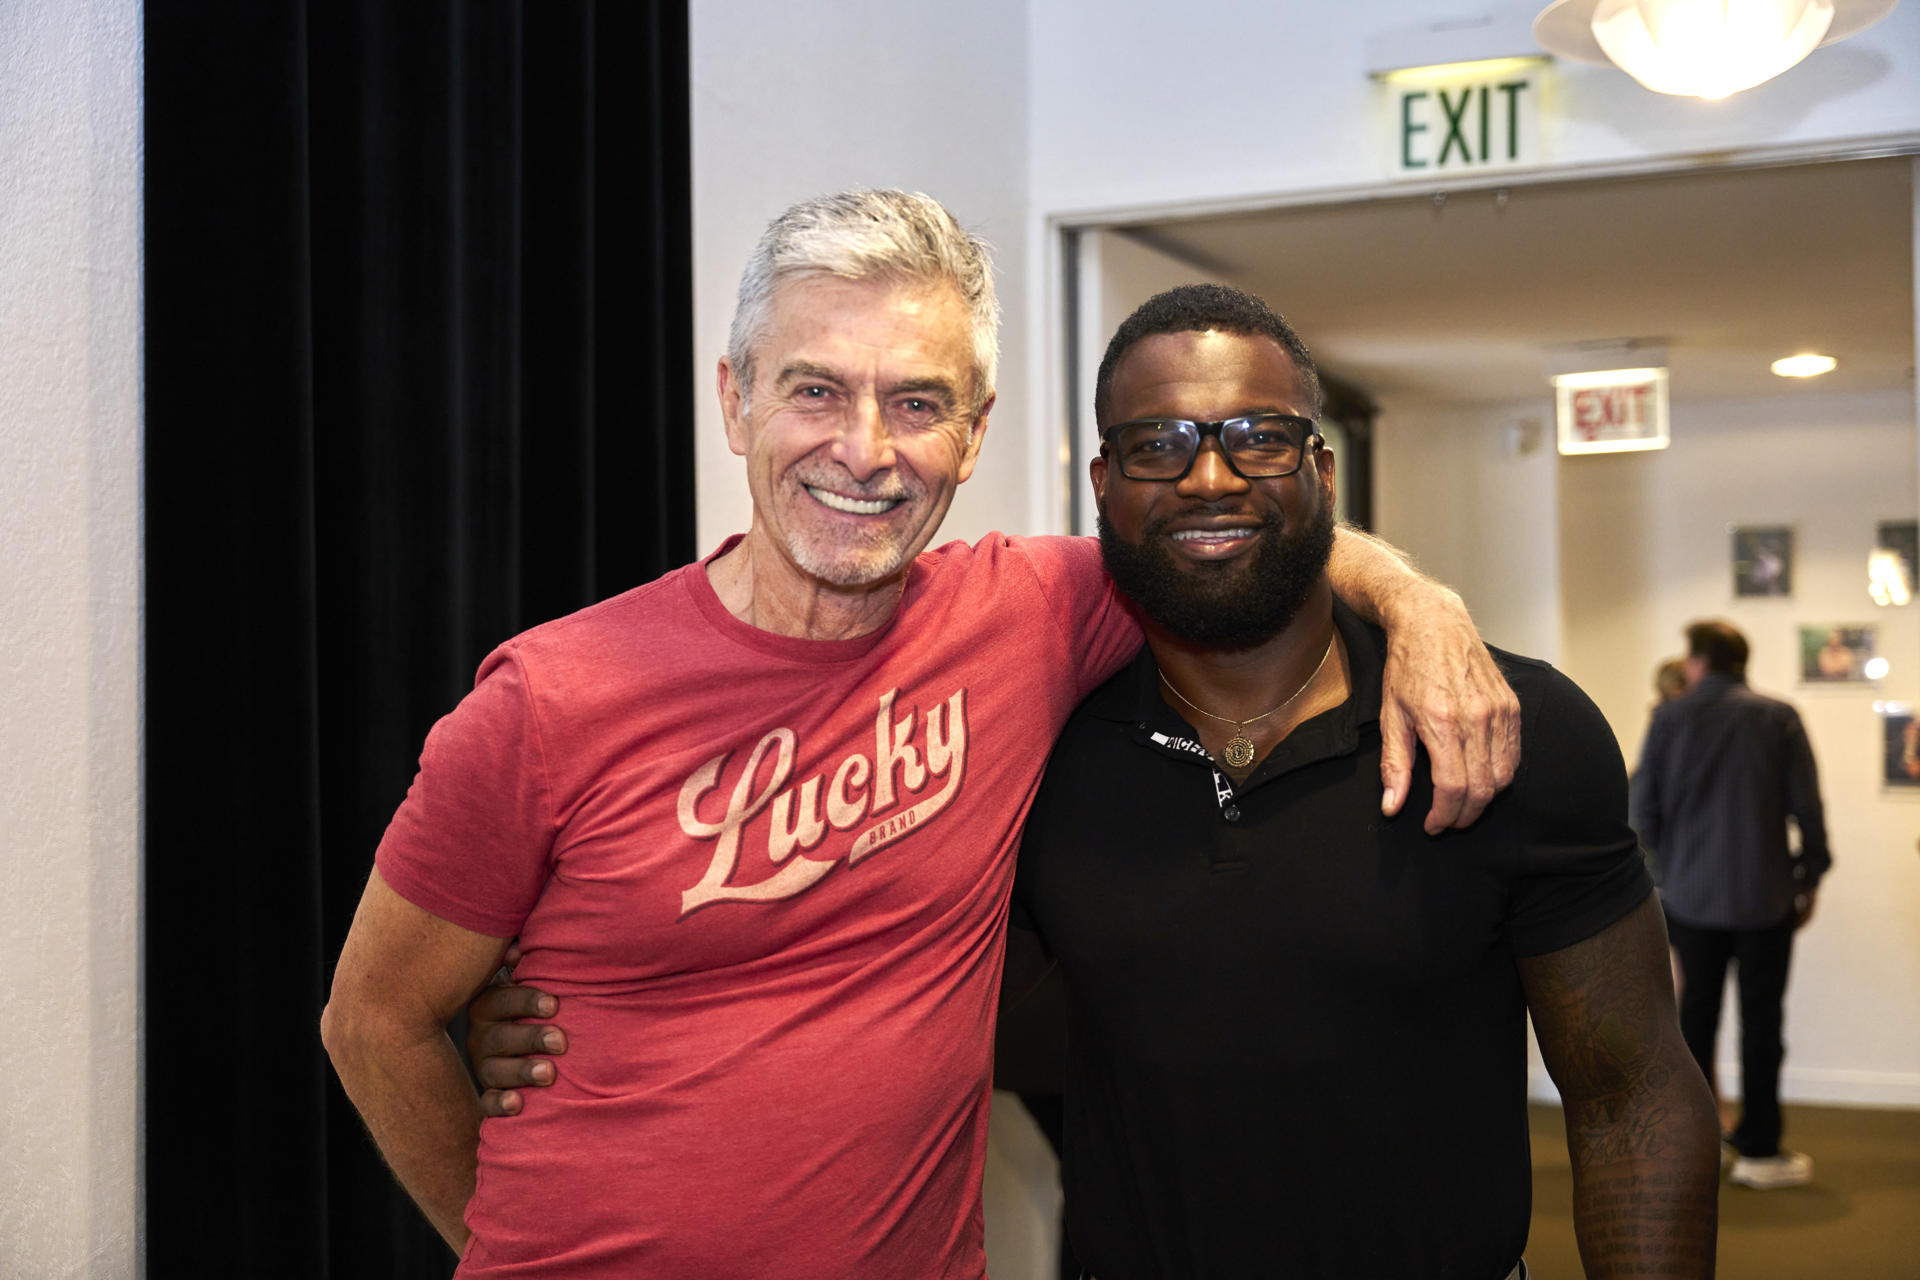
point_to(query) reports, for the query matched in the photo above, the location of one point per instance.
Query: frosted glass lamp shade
(1709, 48)
(1700, 48)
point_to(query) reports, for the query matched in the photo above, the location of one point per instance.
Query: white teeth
(1208, 535)
(853, 506)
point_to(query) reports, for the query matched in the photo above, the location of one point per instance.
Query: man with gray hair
(754, 822)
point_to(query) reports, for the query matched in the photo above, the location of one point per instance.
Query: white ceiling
(1470, 298)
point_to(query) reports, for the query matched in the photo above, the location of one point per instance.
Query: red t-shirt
(767, 878)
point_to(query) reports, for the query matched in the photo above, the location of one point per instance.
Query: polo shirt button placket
(1231, 813)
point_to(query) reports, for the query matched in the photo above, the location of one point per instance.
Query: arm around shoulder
(402, 976)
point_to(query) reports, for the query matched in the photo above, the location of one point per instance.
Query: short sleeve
(472, 842)
(1100, 632)
(1579, 863)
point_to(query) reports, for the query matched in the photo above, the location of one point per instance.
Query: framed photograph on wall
(1895, 563)
(1763, 560)
(1837, 654)
(1900, 731)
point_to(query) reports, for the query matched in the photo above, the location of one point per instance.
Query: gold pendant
(1239, 752)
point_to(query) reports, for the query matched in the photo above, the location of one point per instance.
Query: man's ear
(1323, 461)
(1097, 472)
(976, 434)
(733, 399)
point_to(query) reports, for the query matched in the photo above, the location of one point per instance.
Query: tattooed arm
(1640, 1123)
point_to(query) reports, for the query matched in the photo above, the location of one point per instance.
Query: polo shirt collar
(1133, 698)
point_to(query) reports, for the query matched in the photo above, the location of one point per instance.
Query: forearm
(1375, 580)
(1641, 1125)
(418, 1103)
(1646, 1177)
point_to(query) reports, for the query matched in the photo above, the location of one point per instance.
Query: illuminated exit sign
(1468, 118)
(1612, 411)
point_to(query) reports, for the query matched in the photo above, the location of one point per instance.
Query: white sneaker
(1768, 1173)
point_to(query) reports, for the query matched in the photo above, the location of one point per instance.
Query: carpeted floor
(1860, 1220)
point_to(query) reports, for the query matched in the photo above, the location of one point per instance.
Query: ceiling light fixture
(1700, 48)
(1804, 366)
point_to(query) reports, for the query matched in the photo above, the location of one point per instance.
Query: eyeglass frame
(1216, 430)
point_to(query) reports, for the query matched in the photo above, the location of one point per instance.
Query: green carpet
(1860, 1220)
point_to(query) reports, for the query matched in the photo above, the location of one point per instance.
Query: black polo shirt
(1297, 1037)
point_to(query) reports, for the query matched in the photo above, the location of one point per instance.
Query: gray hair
(869, 235)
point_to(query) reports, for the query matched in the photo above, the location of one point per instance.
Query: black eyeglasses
(1259, 446)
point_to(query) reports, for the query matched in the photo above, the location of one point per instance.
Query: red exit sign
(1612, 411)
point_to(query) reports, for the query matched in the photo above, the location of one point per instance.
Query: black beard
(1216, 605)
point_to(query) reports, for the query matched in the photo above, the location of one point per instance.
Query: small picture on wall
(1838, 653)
(1902, 733)
(1895, 562)
(1763, 560)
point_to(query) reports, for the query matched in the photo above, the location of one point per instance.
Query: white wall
(1630, 547)
(791, 101)
(1021, 1196)
(69, 631)
(1469, 490)
(1646, 548)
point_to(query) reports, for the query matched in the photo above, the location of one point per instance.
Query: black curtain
(418, 376)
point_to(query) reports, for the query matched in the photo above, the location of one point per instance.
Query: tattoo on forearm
(1608, 1134)
(1641, 1128)
(1647, 1224)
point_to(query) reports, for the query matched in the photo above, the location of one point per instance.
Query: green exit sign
(1444, 125)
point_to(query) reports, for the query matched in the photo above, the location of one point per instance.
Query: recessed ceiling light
(1804, 366)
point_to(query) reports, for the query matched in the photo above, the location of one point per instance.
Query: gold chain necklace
(1239, 752)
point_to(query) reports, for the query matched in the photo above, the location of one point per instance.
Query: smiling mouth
(853, 506)
(1212, 537)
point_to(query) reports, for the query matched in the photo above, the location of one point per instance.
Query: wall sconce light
(1887, 578)
(1700, 48)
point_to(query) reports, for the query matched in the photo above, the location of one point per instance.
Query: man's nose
(865, 445)
(1210, 476)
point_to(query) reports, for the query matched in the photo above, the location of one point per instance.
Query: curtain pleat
(417, 377)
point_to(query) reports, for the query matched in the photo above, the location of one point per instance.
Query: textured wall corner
(69, 634)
